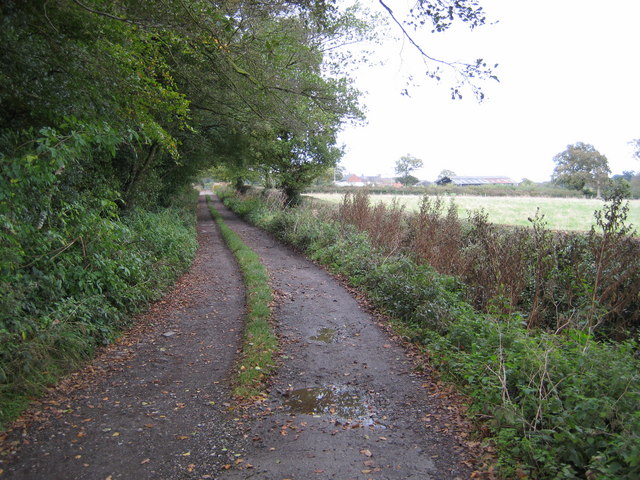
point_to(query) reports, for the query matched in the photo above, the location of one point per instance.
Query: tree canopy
(172, 86)
(581, 166)
(405, 165)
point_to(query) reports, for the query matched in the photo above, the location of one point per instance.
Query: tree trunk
(138, 175)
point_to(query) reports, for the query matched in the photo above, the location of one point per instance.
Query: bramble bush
(557, 406)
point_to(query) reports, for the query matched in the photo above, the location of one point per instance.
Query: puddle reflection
(326, 335)
(340, 402)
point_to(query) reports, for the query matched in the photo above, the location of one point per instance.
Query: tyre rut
(158, 406)
(346, 403)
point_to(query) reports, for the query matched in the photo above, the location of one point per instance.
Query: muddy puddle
(326, 335)
(342, 403)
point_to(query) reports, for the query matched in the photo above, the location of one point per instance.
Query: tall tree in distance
(445, 176)
(581, 166)
(405, 166)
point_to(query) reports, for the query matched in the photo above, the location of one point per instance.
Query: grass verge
(259, 343)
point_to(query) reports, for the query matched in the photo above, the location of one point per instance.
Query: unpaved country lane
(158, 406)
(345, 403)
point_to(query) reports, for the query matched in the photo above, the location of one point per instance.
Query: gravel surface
(345, 404)
(156, 405)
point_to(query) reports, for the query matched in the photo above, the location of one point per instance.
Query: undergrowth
(73, 285)
(556, 405)
(259, 342)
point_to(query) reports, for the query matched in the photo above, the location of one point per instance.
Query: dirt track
(344, 405)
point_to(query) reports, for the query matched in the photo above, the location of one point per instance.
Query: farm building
(379, 181)
(363, 180)
(474, 181)
(352, 181)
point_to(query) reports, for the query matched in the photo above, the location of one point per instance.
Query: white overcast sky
(569, 71)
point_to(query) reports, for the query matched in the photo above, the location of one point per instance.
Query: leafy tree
(444, 174)
(581, 166)
(404, 166)
(634, 185)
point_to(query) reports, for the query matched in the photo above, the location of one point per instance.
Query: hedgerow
(556, 280)
(74, 284)
(557, 406)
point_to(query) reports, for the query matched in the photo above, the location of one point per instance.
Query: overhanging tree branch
(104, 14)
(464, 71)
(408, 37)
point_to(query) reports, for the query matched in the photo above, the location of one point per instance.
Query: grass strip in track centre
(259, 343)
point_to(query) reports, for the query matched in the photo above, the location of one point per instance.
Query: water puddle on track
(326, 335)
(342, 403)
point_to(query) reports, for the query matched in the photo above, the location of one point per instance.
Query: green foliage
(559, 406)
(73, 285)
(580, 167)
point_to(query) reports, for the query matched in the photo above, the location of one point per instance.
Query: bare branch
(406, 34)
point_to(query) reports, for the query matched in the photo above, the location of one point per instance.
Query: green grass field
(560, 213)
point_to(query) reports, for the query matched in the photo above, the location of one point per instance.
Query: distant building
(352, 180)
(475, 181)
(378, 181)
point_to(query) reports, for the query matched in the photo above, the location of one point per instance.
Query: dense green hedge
(74, 285)
(559, 406)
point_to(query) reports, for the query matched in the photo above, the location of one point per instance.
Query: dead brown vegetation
(554, 280)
